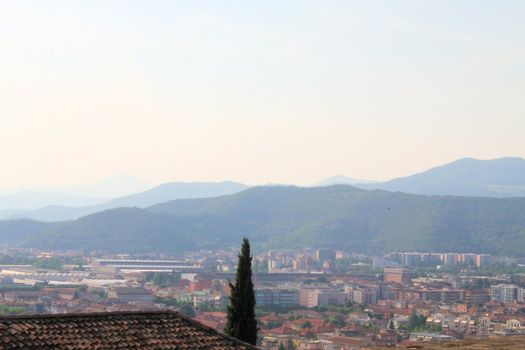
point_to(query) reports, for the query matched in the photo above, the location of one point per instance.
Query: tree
(281, 347)
(390, 325)
(272, 325)
(206, 306)
(415, 321)
(161, 279)
(187, 310)
(437, 328)
(241, 322)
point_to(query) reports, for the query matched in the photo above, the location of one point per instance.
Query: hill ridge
(500, 177)
(340, 216)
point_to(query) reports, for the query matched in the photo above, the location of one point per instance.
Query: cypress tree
(241, 311)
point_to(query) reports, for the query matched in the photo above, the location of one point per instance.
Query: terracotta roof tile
(116, 330)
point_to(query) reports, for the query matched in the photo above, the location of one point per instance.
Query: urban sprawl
(317, 299)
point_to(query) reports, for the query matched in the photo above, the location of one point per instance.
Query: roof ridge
(89, 314)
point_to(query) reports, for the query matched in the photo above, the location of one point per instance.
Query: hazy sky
(258, 92)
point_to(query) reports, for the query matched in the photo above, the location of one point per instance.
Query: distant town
(306, 299)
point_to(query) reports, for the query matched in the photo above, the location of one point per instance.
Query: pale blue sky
(273, 91)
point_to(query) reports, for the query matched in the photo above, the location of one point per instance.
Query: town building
(273, 296)
(322, 255)
(477, 296)
(365, 296)
(426, 259)
(316, 296)
(131, 294)
(505, 293)
(112, 266)
(399, 275)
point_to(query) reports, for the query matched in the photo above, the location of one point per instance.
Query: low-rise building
(399, 275)
(281, 297)
(365, 296)
(426, 336)
(131, 294)
(316, 296)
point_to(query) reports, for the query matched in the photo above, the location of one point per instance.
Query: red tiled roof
(313, 321)
(356, 341)
(117, 330)
(281, 330)
(208, 323)
(216, 314)
(272, 318)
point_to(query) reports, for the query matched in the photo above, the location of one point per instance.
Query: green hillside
(136, 230)
(13, 231)
(286, 217)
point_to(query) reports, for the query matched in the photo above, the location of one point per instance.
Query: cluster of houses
(316, 310)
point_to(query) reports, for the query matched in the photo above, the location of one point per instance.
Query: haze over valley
(476, 204)
(271, 175)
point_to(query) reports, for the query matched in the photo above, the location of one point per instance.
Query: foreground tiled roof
(116, 330)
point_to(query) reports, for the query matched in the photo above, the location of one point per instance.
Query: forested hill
(14, 231)
(286, 217)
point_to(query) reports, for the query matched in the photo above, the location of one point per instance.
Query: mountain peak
(341, 180)
(500, 177)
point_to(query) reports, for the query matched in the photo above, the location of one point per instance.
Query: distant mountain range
(177, 190)
(342, 180)
(31, 200)
(341, 217)
(163, 193)
(502, 177)
(110, 187)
